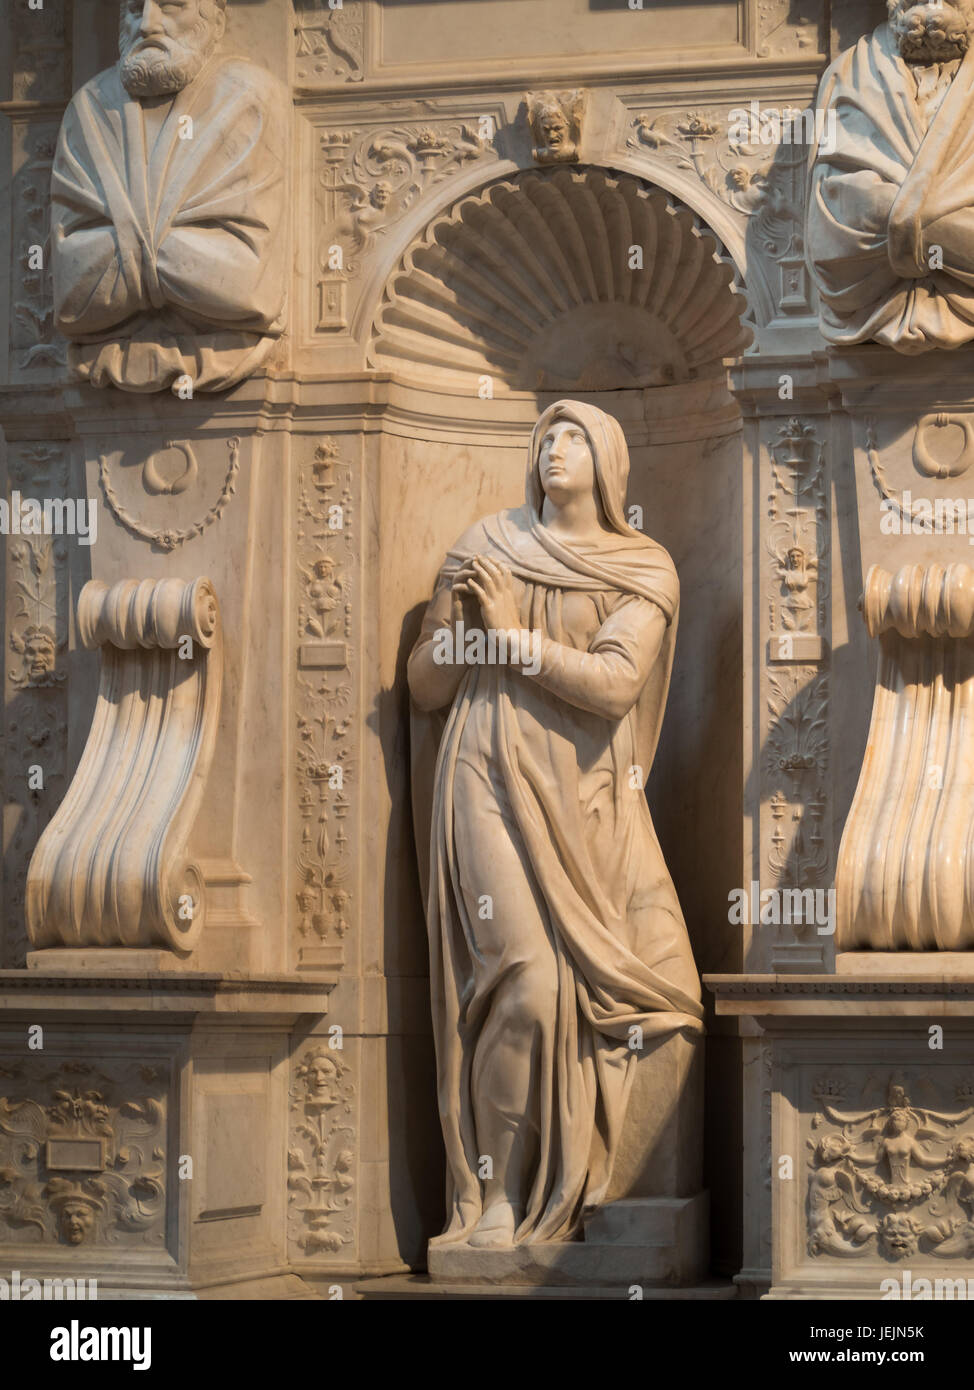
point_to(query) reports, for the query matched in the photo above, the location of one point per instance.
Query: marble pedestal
(143, 1124)
(872, 1123)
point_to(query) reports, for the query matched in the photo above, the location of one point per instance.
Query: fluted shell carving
(111, 868)
(905, 873)
(534, 283)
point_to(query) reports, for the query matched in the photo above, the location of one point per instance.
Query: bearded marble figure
(168, 199)
(890, 231)
(554, 926)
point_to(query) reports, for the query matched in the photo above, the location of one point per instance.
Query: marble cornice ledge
(842, 997)
(166, 992)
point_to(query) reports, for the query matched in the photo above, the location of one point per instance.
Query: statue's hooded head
(163, 46)
(610, 458)
(932, 33)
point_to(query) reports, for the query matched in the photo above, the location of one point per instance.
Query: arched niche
(517, 293)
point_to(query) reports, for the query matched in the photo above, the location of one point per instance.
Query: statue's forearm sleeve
(608, 678)
(432, 684)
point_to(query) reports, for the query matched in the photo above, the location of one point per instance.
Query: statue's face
(933, 32)
(163, 44)
(76, 1219)
(565, 461)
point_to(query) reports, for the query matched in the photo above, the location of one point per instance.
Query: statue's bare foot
(495, 1229)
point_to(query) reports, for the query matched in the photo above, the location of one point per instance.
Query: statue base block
(653, 1241)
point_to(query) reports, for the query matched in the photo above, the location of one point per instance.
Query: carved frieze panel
(329, 42)
(83, 1153)
(326, 701)
(890, 1177)
(753, 158)
(322, 1161)
(369, 174)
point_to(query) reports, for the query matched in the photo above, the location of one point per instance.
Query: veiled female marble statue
(554, 926)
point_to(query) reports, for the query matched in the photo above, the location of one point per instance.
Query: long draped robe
(536, 801)
(167, 252)
(897, 184)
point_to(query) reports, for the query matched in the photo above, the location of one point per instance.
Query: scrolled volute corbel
(920, 600)
(112, 868)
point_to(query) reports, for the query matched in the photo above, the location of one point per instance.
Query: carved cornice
(111, 868)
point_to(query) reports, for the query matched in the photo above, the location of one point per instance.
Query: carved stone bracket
(111, 868)
(904, 876)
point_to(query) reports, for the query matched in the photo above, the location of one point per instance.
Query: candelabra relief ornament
(896, 1180)
(796, 750)
(325, 710)
(82, 1153)
(321, 1154)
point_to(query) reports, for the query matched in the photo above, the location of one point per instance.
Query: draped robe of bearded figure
(890, 223)
(168, 195)
(525, 800)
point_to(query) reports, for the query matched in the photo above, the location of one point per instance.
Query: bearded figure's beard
(932, 33)
(158, 72)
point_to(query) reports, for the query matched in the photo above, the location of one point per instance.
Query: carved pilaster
(795, 785)
(322, 1160)
(325, 705)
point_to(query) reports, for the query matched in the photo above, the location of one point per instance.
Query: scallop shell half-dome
(562, 280)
